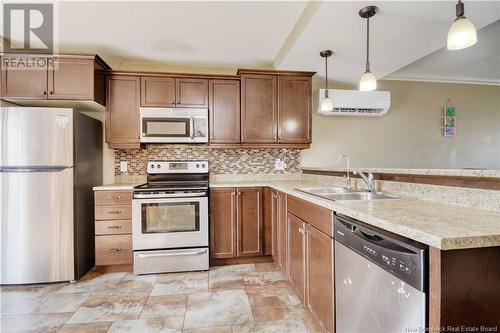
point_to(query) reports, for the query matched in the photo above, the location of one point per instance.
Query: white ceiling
(400, 33)
(218, 34)
(477, 64)
(228, 35)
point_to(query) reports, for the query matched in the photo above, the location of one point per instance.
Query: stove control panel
(155, 167)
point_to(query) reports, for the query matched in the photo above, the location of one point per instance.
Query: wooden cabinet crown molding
(274, 72)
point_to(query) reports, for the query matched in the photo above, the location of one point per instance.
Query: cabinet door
(19, 82)
(282, 232)
(157, 91)
(249, 222)
(296, 251)
(191, 93)
(71, 78)
(122, 112)
(320, 281)
(268, 210)
(294, 109)
(223, 212)
(274, 225)
(259, 108)
(224, 97)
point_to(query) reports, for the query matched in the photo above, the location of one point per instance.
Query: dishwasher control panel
(406, 260)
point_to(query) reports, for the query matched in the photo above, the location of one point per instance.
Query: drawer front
(317, 216)
(113, 227)
(113, 250)
(112, 198)
(118, 212)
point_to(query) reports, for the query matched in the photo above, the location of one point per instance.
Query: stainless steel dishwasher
(380, 280)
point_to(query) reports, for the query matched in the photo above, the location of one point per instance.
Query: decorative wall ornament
(449, 121)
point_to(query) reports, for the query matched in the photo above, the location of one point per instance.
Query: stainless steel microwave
(173, 125)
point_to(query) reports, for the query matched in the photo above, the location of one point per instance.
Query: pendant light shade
(326, 103)
(368, 81)
(462, 33)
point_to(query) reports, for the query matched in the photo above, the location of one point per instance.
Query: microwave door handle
(191, 124)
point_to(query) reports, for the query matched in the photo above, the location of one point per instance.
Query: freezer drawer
(165, 261)
(36, 213)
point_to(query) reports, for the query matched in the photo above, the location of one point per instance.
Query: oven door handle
(168, 195)
(172, 254)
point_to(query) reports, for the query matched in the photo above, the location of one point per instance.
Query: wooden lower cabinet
(319, 276)
(113, 227)
(307, 258)
(296, 254)
(223, 223)
(113, 250)
(249, 222)
(282, 237)
(236, 225)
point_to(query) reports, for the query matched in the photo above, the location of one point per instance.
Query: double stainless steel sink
(342, 193)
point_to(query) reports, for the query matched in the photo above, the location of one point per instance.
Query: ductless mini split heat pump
(356, 103)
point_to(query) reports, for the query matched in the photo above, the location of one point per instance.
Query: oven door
(168, 223)
(173, 125)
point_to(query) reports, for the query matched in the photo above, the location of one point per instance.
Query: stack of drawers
(113, 227)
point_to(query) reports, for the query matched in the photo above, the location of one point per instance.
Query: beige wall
(410, 135)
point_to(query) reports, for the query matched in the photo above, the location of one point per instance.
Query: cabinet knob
(114, 227)
(115, 250)
(45, 92)
(118, 197)
(51, 92)
(115, 212)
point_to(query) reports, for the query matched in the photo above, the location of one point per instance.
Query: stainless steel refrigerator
(50, 159)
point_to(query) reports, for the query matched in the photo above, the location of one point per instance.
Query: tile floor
(238, 298)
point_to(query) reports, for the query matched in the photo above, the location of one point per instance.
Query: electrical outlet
(123, 166)
(279, 165)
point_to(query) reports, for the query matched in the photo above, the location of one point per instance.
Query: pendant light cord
(326, 76)
(367, 44)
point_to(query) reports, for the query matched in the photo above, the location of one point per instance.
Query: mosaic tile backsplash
(222, 160)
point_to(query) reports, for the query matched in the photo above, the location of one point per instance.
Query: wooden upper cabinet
(63, 77)
(259, 108)
(223, 215)
(224, 108)
(296, 254)
(191, 93)
(320, 277)
(18, 82)
(122, 112)
(250, 222)
(294, 109)
(71, 78)
(157, 91)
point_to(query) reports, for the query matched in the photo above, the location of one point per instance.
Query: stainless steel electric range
(170, 218)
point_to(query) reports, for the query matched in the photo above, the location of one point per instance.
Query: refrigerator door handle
(34, 169)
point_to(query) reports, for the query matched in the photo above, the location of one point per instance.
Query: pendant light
(326, 103)
(368, 81)
(462, 33)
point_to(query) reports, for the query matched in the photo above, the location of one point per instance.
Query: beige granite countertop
(436, 224)
(427, 172)
(116, 187)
